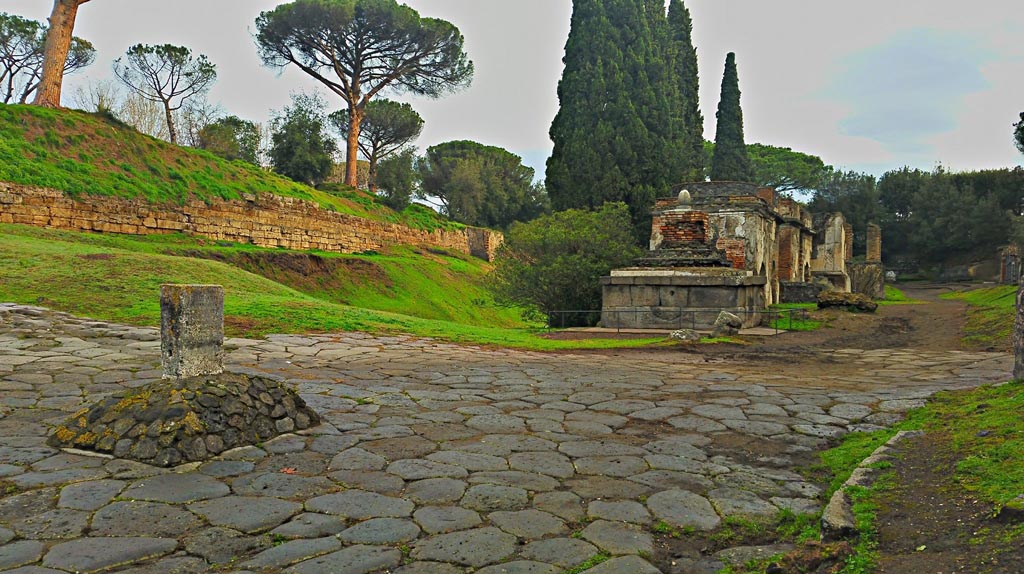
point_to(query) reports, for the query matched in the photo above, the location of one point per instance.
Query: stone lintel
(191, 330)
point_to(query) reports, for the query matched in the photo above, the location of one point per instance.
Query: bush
(555, 262)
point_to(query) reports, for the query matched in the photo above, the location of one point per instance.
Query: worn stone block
(191, 330)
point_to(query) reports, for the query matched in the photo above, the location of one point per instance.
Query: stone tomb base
(679, 297)
(176, 421)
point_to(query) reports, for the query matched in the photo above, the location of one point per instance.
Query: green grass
(117, 278)
(588, 563)
(794, 317)
(990, 315)
(36, 147)
(895, 296)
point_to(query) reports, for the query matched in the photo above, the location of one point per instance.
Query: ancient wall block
(191, 330)
(848, 242)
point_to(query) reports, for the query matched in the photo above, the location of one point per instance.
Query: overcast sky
(870, 85)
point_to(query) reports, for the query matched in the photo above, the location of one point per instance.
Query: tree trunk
(352, 151)
(372, 179)
(171, 132)
(55, 51)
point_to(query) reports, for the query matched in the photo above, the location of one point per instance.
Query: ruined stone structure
(262, 219)
(868, 277)
(730, 246)
(1009, 265)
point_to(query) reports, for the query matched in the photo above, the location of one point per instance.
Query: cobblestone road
(433, 458)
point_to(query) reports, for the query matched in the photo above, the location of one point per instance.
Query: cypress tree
(730, 162)
(684, 67)
(613, 132)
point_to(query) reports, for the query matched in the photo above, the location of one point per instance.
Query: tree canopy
(166, 74)
(555, 262)
(397, 179)
(301, 148)
(232, 138)
(479, 184)
(620, 133)
(21, 57)
(358, 48)
(684, 67)
(387, 127)
(730, 161)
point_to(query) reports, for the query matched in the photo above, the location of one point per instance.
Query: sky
(871, 85)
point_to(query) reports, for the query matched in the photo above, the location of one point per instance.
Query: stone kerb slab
(191, 330)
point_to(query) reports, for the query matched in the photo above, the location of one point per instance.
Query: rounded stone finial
(684, 197)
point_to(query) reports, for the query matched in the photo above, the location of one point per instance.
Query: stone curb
(837, 520)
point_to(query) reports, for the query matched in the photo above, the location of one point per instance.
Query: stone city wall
(263, 219)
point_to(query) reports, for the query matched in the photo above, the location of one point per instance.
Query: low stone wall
(262, 219)
(799, 292)
(673, 299)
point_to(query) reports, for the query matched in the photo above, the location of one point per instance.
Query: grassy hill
(92, 154)
(405, 290)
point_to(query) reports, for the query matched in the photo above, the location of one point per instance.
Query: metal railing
(618, 319)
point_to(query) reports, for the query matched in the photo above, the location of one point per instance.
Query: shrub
(555, 262)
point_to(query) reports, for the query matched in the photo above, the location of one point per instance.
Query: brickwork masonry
(263, 219)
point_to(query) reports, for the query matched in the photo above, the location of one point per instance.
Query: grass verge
(990, 315)
(117, 278)
(895, 296)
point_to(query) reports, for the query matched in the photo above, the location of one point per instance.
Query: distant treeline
(930, 217)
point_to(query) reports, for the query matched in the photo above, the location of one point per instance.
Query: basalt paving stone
(6, 535)
(278, 557)
(684, 509)
(619, 511)
(30, 480)
(360, 505)
(489, 497)
(564, 552)
(139, 518)
(351, 560)
(400, 448)
(303, 463)
(309, 525)
(548, 463)
(584, 448)
(282, 485)
(429, 568)
(476, 548)
(528, 524)
(332, 444)
(669, 479)
(618, 538)
(443, 519)
(417, 469)
(594, 487)
(177, 488)
(736, 502)
(357, 459)
(249, 514)
(219, 545)
(172, 564)
(225, 468)
(617, 466)
(435, 491)
(61, 523)
(623, 564)
(88, 555)
(469, 461)
(381, 531)
(34, 570)
(696, 424)
(20, 553)
(372, 480)
(527, 480)
(91, 495)
(520, 567)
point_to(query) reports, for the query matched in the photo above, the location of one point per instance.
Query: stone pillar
(191, 330)
(1018, 334)
(847, 242)
(874, 254)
